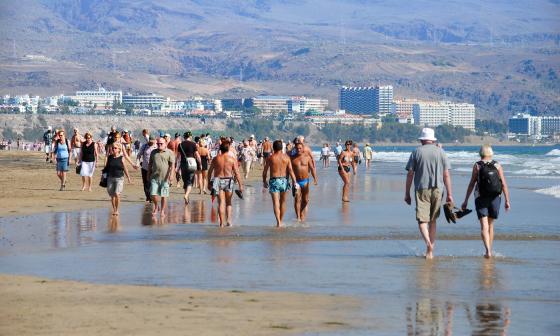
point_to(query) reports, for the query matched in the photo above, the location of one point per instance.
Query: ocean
(369, 248)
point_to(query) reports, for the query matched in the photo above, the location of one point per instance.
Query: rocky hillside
(500, 55)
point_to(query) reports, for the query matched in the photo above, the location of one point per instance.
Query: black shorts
(346, 168)
(188, 177)
(266, 155)
(488, 207)
(204, 163)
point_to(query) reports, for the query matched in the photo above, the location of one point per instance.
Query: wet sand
(32, 306)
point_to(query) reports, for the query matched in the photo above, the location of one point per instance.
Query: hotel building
(433, 114)
(100, 99)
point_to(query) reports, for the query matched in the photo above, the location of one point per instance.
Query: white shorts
(87, 169)
(76, 152)
(47, 149)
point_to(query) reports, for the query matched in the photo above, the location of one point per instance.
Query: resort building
(366, 100)
(100, 99)
(150, 101)
(527, 125)
(304, 104)
(433, 114)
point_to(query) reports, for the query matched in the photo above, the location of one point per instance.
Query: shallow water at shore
(369, 248)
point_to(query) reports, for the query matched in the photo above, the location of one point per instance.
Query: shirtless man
(280, 167)
(76, 142)
(225, 173)
(266, 148)
(306, 149)
(301, 164)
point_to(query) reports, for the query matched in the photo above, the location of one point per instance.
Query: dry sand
(31, 306)
(35, 306)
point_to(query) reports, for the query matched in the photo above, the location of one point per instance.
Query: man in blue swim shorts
(279, 166)
(302, 165)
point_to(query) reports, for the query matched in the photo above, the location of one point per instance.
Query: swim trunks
(303, 183)
(278, 184)
(223, 183)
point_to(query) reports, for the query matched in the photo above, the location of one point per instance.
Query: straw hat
(428, 134)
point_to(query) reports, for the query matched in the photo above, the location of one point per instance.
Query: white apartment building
(146, 101)
(270, 105)
(99, 99)
(304, 104)
(433, 114)
(170, 106)
(384, 99)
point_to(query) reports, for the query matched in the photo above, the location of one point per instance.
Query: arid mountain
(501, 55)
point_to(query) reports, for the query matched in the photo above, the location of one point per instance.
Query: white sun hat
(428, 134)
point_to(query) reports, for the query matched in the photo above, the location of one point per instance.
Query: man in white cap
(428, 166)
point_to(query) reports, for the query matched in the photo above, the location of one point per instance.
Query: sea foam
(551, 191)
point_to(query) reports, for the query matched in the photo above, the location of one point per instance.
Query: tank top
(115, 166)
(62, 150)
(88, 152)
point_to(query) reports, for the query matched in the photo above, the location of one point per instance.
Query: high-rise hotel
(366, 99)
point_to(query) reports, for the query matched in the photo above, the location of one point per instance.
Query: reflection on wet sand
(429, 315)
(491, 316)
(68, 228)
(114, 223)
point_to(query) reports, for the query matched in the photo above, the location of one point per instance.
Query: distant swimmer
(345, 163)
(302, 166)
(429, 167)
(222, 175)
(280, 168)
(488, 176)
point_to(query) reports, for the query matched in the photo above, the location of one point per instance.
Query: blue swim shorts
(159, 188)
(278, 184)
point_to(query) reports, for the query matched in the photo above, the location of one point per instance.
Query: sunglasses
(161, 143)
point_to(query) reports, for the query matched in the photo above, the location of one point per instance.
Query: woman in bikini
(345, 162)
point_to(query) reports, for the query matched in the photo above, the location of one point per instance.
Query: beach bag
(489, 182)
(78, 168)
(191, 162)
(103, 181)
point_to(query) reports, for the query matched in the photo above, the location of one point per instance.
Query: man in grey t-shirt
(429, 167)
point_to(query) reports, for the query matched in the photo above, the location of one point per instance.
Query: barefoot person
(61, 150)
(224, 172)
(266, 149)
(368, 155)
(48, 139)
(144, 157)
(76, 141)
(189, 159)
(279, 166)
(205, 158)
(345, 162)
(325, 155)
(301, 164)
(88, 160)
(115, 168)
(428, 166)
(488, 177)
(160, 169)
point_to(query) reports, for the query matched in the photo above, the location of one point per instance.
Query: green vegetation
(490, 127)
(8, 133)
(390, 132)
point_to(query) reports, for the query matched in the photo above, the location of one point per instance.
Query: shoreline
(33, 305)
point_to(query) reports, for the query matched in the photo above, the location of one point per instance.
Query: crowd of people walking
(220, 167)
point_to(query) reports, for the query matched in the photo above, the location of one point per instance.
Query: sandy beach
(31, 305)
(34, 187)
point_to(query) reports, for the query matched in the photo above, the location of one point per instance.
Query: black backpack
(489, 182)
